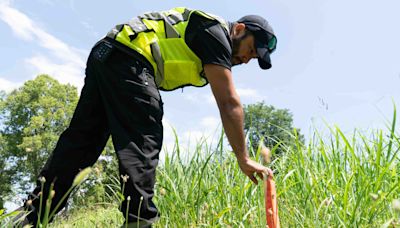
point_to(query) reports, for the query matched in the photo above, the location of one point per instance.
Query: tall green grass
(207, 189)
(339, 180)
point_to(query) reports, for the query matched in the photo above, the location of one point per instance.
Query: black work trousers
(119, 98)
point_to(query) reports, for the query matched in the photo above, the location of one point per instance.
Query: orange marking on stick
(271, 204)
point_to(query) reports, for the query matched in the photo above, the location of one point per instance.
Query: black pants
(120, 99)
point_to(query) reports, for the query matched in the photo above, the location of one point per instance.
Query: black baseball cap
(264, 38)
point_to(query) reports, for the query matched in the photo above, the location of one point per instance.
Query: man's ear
(238, 28)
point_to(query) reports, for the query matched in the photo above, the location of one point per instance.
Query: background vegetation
(32, 118)
(335, 180)
(270, 125)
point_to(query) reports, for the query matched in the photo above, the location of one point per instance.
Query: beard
(235, 60)
(236, 42)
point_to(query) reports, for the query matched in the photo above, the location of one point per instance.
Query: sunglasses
(272, 43)
(271, 37)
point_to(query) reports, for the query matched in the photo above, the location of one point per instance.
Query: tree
(32, 118)
(5, 177)
(273, 126)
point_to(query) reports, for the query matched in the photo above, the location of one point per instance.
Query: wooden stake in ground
(271, 203)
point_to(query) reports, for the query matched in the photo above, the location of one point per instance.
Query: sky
(337, 61)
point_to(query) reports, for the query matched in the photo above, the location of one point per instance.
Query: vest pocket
(179, 72)
(180, 65)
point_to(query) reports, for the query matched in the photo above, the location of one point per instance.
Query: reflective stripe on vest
(160, 38)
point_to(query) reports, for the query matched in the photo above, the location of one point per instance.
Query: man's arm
(231, 112)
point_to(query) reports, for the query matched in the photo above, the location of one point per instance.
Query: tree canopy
(31, 119)
(5, 177)
(273, 126)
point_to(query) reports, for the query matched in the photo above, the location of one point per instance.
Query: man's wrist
(242, 157)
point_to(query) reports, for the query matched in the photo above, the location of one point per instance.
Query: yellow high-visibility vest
(160, 38)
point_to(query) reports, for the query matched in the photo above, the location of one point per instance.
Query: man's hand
(250, 167)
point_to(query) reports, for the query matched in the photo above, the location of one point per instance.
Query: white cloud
(207, 133)
(63, 62)
(7, 85)
(20, 24)
(5, 2)
(210, 122)
(197, 97)
(249, 93)
(244, 93)
(65, 72)
(169, 137)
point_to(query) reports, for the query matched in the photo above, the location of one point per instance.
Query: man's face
(243, 49)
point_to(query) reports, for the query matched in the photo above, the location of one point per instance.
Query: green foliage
(342, 180)
(5, 177)
(337, 180)
(5, 180)
(272, 126)
(32, 117)
(15, 218)
(91, 215)
(207, 189)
